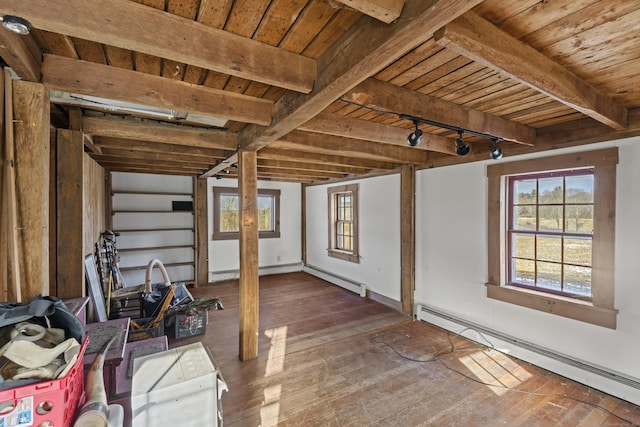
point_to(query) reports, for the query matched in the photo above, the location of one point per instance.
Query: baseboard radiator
(593, 376)
(343, 282)
(217, 276)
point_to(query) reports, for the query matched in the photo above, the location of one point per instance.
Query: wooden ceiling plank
(429, 64)
(133, 26)
(478, 39)
(364, 51)
(388, 97)
(580, 21)
(386, 11)
(410, 61)
(17, 53)
(107, 82)
(149, 130)
(339, 125)
(90, 51)
(117, 57)
(338, 23)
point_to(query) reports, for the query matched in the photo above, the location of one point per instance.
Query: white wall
(153, 212)
(451, 264)
(379, 235)
(224, 255)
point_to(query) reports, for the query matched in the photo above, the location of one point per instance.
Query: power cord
(452, 349)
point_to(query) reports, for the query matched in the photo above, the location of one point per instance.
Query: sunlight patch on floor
(270, 410)
(275, 360)
(493, 367)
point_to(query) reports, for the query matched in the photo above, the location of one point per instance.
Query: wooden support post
(303, 222)
(32, 148)
(4, 212)
(202, 241)
(407, 236)
(69, 218)
(249, 280)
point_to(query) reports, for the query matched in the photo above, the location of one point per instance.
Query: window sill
(558, 305)
(347, 256)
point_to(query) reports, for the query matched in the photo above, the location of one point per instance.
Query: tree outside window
(226, 220)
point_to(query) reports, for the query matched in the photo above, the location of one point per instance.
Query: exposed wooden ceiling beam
(364, 50)
(212, 154)
(129, 25)
(141, 168)
(155, 164)
(478, 39)
(202, 162)
(301, 173)
(21, 54)
(383, 10)
(385, 96)
(149, 130)
(327, 159)
(329, 144)
(339, 125)
(294, 165)
(88, 78)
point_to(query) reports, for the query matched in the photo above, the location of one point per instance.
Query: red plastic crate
(47, 403)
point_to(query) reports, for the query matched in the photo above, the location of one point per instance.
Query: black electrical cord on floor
(437, 358)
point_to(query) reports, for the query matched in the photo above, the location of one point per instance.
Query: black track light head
(462, 148)
(415, 137)
(496, 152)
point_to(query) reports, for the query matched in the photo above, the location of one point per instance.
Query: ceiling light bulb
(496, 152)
(462, 148)
(415, 137)
(16, 24)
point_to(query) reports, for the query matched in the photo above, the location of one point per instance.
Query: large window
(343, 222)
(551, 231)
(226, 216)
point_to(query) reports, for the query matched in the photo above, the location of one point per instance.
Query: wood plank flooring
(328, 357)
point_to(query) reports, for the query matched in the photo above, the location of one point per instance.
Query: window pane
(229, 213)
(549, 248)
(551, 218)
(579, 218)
(577, 280)
(265, 213)
(579, 189)
(523, 246)
(550, 190)
(523, 271)
(524, 217)
(549, 275)
(524, 192)
(577, 251)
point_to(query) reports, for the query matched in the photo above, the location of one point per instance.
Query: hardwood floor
(328, 357)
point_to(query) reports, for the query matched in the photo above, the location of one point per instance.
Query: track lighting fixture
(415, 137)
(496, 152)
(462, 148)
(235, 166)
(16, 24)
(226, 171)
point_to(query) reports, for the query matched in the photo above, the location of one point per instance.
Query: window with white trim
(343, 222)
(551, 234)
